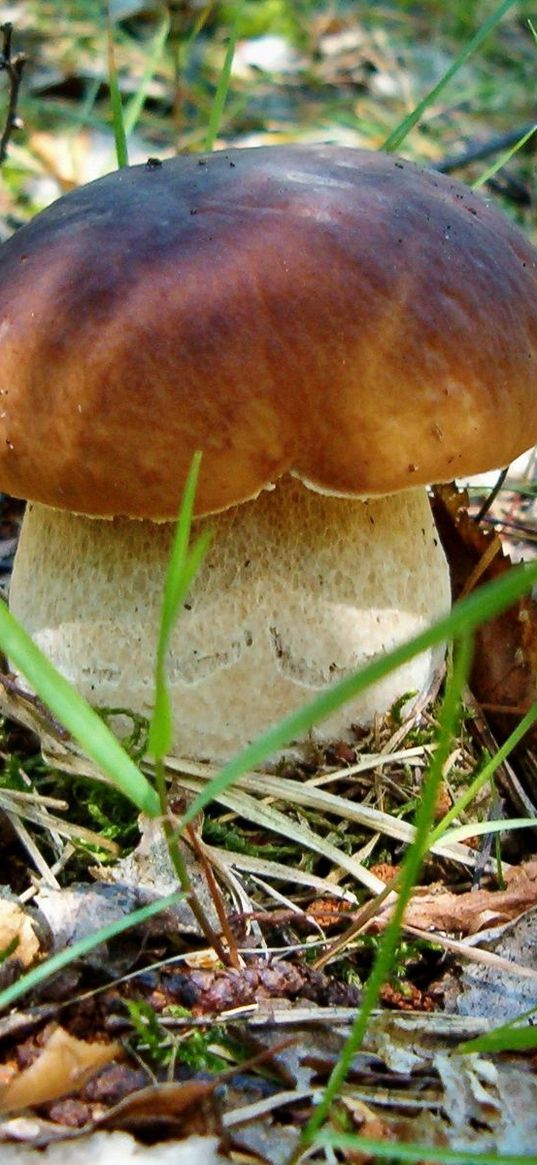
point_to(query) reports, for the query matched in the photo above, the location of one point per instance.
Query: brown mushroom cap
(337, 313)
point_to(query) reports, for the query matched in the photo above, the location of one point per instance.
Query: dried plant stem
(179, 865)
(13, 66)
(199, 850)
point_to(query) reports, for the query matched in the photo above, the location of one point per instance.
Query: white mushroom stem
(298, 589)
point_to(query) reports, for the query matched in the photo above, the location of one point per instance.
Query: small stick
(197, 846)
(13, 66)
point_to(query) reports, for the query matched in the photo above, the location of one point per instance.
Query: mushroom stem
(298, 589)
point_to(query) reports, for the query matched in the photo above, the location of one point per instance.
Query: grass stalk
(383, 1150)
(409, 875)
(222, 89)
(486, 774)
(503, 159)
(118, 124)
(183, 565)
(80, 720)
(135, 105)
(509, 1037)
(401, 131)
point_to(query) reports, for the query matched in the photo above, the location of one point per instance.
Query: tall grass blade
(137, 101)
(161, 728)
(509, 1037)
(486, 774)
(398, 135)
(63, 958)
(409, 874)
(222, 88)
(368, 1148)
(183, 566)
(503, 159)
(116, 104)
(75, 714)
(480, 828)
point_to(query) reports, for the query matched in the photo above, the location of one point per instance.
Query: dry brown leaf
(501, 984)
(64, 1065)
(177, 1110)
(17, 926)
(180, 1109)
(368, 1123)
(365, 1120)
(505, 657)
(471, 912)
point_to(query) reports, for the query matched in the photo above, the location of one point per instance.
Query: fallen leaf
(478, 990)
(367, 1122)
(489, 1102)
(63, 1066)
(180, 1109)
(205, 960)
(505, 655)
(168, 1110)
(474, 910)
(19, 933)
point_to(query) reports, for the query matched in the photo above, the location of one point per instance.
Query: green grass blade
(199, 23)
(398, 135)
(485, 603)
(174, 581)
(222, 89)
(75, 714)
(512, 1039)
(409, 874)
(485, 775)
(57, 962)
(182, 567)
(118, 124)
(480, 828)
(137, 101)
(161, 728)
(388, 1151)
(509, 1037)
(503, 159)
(90, 100)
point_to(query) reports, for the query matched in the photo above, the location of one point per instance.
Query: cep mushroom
(334, 329)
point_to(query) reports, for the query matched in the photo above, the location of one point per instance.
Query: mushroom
(333, 329)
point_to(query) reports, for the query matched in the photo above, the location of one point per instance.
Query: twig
(492, 495)
(13, 66)
(234, 959)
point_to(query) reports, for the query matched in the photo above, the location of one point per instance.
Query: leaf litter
(410, 1081)
(283, 985)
